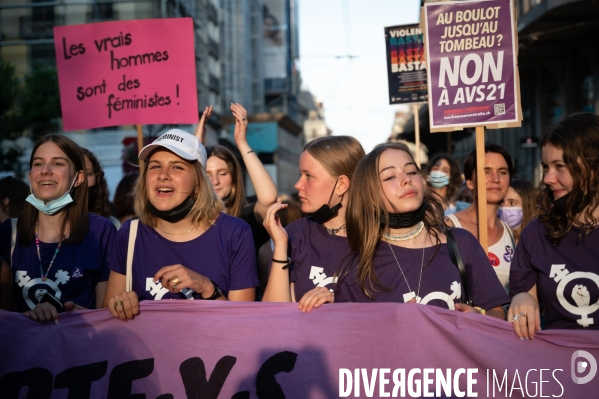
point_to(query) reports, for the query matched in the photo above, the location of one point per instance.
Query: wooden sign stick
(481, 188)
(140, 145)
(417, 133)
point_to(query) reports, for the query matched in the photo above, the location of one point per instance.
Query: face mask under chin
(53, 206)
(174, 215)
(326, 212)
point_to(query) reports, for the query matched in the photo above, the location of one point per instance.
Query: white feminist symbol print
(26, 282)
(319, 277)
(579, 293)
(456, 293)
(158, 291)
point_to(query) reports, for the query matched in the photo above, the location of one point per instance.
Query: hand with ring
(124, 306)
(177, 277)
(524, 315)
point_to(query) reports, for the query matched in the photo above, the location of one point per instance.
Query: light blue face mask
(53, 206)
(438, 179)
(461, 205)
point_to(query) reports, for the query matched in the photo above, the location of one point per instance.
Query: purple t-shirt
(224, 253)
(76, 270)
(441, 281)
(315, 255)
(567, 276)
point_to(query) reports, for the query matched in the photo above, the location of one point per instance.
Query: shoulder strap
(130, 249)
(13, 238)
(456, 258)
(454, 220)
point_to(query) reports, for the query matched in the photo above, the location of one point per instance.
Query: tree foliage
(40, 99)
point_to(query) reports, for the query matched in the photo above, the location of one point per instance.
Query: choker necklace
(39, 255)
(408, 236)
(177, 234)
(417, 297)
(333, 232)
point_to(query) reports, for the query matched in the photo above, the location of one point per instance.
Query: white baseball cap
(185, 145)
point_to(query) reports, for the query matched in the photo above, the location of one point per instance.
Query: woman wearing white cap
(186, 247)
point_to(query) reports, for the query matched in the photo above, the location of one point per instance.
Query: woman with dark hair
(185, 247)
(97, 196)
(60, 255)
(13, 193)
(123, 198)
(519, 205)
(307, 252)
(226, 176)
(399, 243)
(556, 260)
(445, 180)
(498, 173)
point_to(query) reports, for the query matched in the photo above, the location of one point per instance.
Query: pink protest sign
(127, 72)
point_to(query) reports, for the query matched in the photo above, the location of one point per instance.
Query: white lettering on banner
(505, 389)
(419, 382)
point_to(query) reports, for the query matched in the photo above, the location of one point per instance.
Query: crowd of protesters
(369, 228)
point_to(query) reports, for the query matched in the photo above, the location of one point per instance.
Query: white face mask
(53, 206)
(511, 215)
(438, 179)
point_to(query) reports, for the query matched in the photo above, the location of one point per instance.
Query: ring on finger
(118, 303)
(174, 281)
(515, 318)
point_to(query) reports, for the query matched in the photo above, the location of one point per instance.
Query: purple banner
(210, 349)
(406, 66)
(471, 64)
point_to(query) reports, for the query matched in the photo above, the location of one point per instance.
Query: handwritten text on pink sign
(127, 72)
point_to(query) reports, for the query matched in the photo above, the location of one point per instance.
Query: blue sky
(354, 92)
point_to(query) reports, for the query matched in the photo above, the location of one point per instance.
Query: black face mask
(92, 195)
(559, 205)
(405, 220)
(325, 212)
(176, 214)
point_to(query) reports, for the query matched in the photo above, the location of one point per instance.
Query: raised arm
(265, 188)
(200, 132)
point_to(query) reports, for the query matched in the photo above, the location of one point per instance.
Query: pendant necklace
(404, 276)
(408, 236)
(39, 255)
(333, 232)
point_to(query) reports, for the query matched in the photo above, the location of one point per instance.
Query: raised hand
(200, 132)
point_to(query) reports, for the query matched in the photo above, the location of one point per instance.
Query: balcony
(213, 84)
(36, 28)
(212, 48)
(212, 12)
